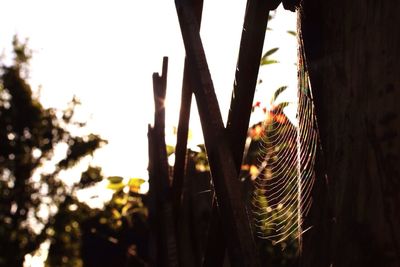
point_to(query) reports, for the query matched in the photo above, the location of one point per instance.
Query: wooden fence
(229, 225)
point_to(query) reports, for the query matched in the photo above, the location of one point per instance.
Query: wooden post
(237, 229)
(251, 45)
(162, 215)
(352, 56)
(183, 126)
(181, 144)
(186, 252)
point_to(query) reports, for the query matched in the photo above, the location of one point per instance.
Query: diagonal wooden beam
(251, 45)
(237, 229)
(185, 247)
(183, 126)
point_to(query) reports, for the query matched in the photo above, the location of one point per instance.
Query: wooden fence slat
(237, 229)
(187, 256)
(183, 127)
(162, 214)
(251, 45)
(181, 144)
(214, 254)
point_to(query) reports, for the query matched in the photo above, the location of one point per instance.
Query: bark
(352, 55)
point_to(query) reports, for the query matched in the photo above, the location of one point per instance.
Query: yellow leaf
(115, 186)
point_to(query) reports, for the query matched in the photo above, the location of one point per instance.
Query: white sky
(105, 52)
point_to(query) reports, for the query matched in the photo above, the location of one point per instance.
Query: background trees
(31, 136)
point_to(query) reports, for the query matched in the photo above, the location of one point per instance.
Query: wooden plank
(251, 45)
(237, 229)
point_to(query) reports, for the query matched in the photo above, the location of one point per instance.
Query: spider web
(282, 195)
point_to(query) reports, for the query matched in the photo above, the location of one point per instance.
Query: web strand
(282, 196)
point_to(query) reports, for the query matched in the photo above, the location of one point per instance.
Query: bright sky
(105, 52)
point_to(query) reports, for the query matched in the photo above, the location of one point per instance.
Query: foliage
(111, 236)
(266, 58)
(118, 234)
(65, 235)
(125, 201)
(31, 193)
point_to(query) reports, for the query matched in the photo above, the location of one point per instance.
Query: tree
(29, 136)
(115, 235)
(66, 233)
(352, 54)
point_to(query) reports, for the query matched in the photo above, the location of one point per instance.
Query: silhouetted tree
(29, 135)
(115, 235)
(66, 234)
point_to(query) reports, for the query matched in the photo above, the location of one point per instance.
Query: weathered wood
(352, 54)
(183, 127)
(251, 45)
(237, 229)
(162, 214)
(181, 143)
(214, 254)
(187, 253)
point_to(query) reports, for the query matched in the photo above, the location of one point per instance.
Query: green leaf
(265, 58)
(277, 93)
(268, 62)
(270, 52)
(292, 33)
(115, 179)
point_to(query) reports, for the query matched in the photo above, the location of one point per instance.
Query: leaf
(268, 62)
(125, 209)
(265, 60)
(116, 214)
(115, 179)
(292, 33)
(116, 186)
(170, 150)
(269, 52)
(277, 93)
(120, 200)
(135, 183)
(115, 183)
